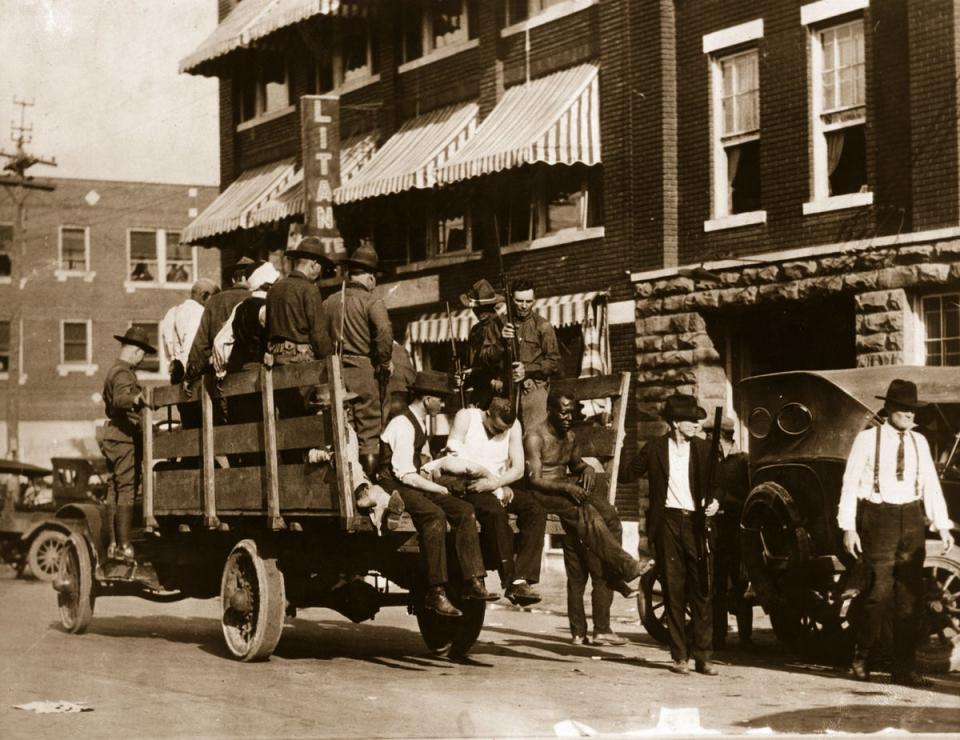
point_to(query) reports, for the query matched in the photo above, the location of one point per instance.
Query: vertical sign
(320, 134)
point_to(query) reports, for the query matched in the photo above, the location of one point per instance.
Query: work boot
(521, 594)
(475, 590)
(608, 638)
(124, 549)
(109, 515)
(625, 589)
(705, 667)
(858, 667)
(437, 601)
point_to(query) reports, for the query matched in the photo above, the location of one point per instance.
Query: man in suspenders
(890, 474)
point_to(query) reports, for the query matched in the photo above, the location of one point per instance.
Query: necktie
(900, 458)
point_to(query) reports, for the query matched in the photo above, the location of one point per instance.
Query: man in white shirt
(179, 327)
(890, 474)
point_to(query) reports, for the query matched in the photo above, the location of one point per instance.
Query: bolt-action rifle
(458, 368)
(511, 349)
(706, 556)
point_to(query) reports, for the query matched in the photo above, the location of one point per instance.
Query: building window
(429, 25)
(264, 89)
(350, 52)
(74, 249)
(4, 347)
(157, 256)
(451, 223)
(736, 133)
(521, 10)
(839, 115)
(75, 343)
(515, 208)
(941, 324)
(152, 364)
(6, 249)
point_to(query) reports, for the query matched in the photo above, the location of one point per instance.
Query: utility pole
(18, 185)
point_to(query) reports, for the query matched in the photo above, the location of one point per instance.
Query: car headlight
(794, 419)
(760, 422)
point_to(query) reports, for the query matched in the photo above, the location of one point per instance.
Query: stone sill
(263, 118)
(735, 220)
(62, 275)
(358, 83)
(546, 16)
(64, 369)
(132, 286)
(567, 236)
(838, 203)
(443, 260)
(437, 54)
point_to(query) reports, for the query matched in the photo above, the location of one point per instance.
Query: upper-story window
(74, 250)
(4, 347)
(76, 347)
(941, 326)
(430, 25)
(349, 52)
(521, 10)
(264, 88)
(6, 249)
(156, 256)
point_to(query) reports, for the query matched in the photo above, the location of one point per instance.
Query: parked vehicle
(31, 536)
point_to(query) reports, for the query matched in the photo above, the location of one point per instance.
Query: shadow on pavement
(860, 718)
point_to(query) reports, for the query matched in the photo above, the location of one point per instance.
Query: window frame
(430, 51)
(161, 243)
(344, 81)
(6, 279)
(5, 374)
(538, 15)
(261, 115)
(920, 310)
(62, 272)
(66, 367)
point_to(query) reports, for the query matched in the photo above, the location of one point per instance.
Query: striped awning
(554, 119)
(251, 20)
(560, 310)
(410, 158)
(286, 199)
(231, 210)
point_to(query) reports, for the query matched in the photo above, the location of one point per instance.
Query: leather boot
(109, 515)
(370, 462)
(437, 601)
(124, 525)
(476, 590)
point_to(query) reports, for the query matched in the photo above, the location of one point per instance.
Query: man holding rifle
(683, 500)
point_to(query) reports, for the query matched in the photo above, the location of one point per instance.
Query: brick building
(99, 256)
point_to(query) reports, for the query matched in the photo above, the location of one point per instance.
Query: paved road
(160, 671)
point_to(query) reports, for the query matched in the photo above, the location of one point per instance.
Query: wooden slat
(345, 482)
(599, 386)
(231, 439)
(619, 419)
(146, 424)
(247, 381)
(596, 442)
(274, 521)
(209, 489)
(308, 488)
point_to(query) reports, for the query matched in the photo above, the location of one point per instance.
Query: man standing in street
(358, 323)
(682, 498)
(891, 476)
(121, 444)
(180, 324)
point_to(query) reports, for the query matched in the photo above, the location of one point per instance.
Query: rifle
(458, 368)
(706, 554)
(511, 349)
(343, 314)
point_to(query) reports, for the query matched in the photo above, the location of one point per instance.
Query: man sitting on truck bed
(403, 453)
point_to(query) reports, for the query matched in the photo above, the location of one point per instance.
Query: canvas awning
(251, 20)
(231, 210)
(287, 198)
(560, 310)
(554, 119)
(410, 158)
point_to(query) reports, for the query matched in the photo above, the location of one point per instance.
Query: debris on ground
(55, 707)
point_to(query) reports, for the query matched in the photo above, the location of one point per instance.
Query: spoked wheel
(942, 618)
(451, 637)
(817, 621)
(43, 557)
(253, 603)
(74, 585)
(653, 609)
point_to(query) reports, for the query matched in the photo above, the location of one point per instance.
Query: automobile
(31, 535)
(801, 428)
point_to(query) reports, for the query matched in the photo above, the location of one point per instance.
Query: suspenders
(876, 465)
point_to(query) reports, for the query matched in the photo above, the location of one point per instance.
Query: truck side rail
(183, 470)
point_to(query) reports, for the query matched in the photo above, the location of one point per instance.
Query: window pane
(951, 352)
(951, 318)
(564, 197)
(412, 19)
(514, 203)
(451, 224)
(740, 99)
(745, 184)
(143, 256)
(74, 341)
(354, 45)
(517, 11)
(843, 66)
(248, 96)
(6, 237)
(151, 363)
(4, 346)
(595, 213)
(850, 173)
(73, 250)
(449, 23)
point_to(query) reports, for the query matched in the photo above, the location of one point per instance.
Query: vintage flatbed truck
(273, 537)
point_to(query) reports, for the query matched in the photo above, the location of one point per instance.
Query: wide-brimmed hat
(481, 294)
(309, 248)
(683, 407)
(244, 265)
(138, 338)
(433, 382)
(903, 393)
(364, 257)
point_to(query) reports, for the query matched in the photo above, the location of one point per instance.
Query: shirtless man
(567, 486)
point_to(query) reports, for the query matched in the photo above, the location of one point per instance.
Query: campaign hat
(364, 257)
(481, 294)
(902, 393)
(244, 265)
(309, 247)
(433, 382)
(683, 407)
(138, 338)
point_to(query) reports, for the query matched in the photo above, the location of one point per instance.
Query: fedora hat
(683, 407)
(481, 294)
(309, 247)
(138, 338)
(903, 393)
(433, 382)
(364, 257)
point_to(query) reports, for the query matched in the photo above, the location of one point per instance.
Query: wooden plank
(599, 386)
(593, 441)
(146, 425)
(274, 521)
(168, 395)
(231, 439)
(619, 418)
(209, 489)
(302, 487)
(345, 482)
(246, 381)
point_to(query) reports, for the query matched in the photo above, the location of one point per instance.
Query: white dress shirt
(919, 476)
(179, 327)
(399, 434)
(679, 495)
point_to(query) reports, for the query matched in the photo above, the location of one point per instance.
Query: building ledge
(838, 203)
(65, 368)
(546, 16)
(735, 220)
(264, 117)
(357, 83)
(132, 286)
(62, 275)
(437, 54)
(567, 236)
(442, 260)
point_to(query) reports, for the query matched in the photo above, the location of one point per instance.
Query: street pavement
(160, 670)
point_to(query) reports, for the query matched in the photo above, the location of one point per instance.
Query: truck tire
(43, 556)
(939, 649)
(451, 638)
(253, 603)
(75, 596)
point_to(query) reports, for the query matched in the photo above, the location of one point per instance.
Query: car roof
(15, 467)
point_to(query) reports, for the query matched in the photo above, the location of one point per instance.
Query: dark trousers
(580, 565)
(512, 558)
(430, 513)
(892, 537)
(359, 378)
(684, 581)
(124, 459)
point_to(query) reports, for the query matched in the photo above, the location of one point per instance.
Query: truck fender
(52, 523)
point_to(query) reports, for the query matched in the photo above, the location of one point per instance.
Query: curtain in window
(733, 164)
(834, 149)
(596, 355)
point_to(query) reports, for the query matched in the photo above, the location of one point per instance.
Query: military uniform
(295, 332)
(485, 341)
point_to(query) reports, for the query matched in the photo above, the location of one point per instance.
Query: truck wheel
(75, 595)
(43, 557)
(939, 650)
(253, 603)
(652, 608)
(448, 637)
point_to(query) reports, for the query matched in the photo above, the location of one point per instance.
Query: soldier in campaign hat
(121, 442)
(486, 348)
